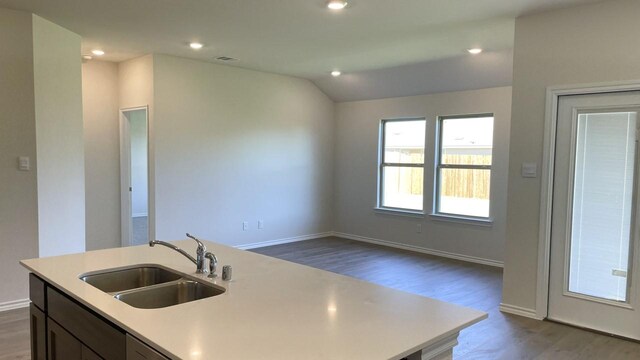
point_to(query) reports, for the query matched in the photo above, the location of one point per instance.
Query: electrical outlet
(419, 228)
(245, 225)
(260, 224)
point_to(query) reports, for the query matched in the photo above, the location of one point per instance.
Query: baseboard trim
(283, 241)
(15, 304)
(396, 245)
(420, 249)
(518, 310)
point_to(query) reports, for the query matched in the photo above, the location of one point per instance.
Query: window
(463, 174)
(401, 173)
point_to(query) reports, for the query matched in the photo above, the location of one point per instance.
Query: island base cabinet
(61, 344)
(136, 350)
(38, 324)
(63, 329)
(87, 354)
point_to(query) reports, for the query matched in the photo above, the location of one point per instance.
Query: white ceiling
(410, 40)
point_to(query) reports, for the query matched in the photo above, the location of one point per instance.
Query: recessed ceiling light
(97, 52)
(474, 51)
(195, 46)
(336, 4)
(336, 73)
(87, 57)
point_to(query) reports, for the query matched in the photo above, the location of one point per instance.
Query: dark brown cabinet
(137, 350)
(61, 344)
(63, 329)
(87, 354)
(38, 323)
(95, 332)
(64, 346)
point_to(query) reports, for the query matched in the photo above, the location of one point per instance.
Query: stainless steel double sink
(150, 286)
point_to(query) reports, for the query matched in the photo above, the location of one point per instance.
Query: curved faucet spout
(198, 260)
(171, 246)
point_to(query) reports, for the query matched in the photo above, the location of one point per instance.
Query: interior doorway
(134, 172)
(594, 270)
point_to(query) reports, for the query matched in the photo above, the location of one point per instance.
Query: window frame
(439, 166)
(382, 164)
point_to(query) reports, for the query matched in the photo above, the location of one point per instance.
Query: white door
(594, 271)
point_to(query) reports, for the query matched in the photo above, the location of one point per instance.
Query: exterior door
(594, 266)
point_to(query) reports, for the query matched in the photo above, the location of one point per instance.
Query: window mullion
(416, 165)
(464, 166)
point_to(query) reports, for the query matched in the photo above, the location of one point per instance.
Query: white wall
(41, 210)
(585, 44)
(18, 189)
(60, 150)
(356, 166)
(234, 145)
(135, 89)
(102, 154)
(138, 134)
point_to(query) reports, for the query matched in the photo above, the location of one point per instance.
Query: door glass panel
(602, 204)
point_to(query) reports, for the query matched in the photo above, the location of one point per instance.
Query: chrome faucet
(198, 260)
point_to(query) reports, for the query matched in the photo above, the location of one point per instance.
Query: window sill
(462, 219)
(399, 212)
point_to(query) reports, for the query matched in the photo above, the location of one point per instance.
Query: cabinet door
(62, 345)
(38, 333)
(137, 350)
(87, 354)
(92, 330)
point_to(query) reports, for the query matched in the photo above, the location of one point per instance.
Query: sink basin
(112, 281)
(150, 287)
(169, 294)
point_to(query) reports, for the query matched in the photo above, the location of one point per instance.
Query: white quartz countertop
(272, 309)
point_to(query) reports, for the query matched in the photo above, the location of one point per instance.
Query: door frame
(125, 173)
(548, 164)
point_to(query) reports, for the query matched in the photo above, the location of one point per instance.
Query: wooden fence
(466, 183)
(463, 183)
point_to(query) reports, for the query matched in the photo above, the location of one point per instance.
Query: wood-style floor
(501, 336)
(14, 334)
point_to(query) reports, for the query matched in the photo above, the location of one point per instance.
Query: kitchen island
(271, 309)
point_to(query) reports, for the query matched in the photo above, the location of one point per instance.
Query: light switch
(529, 170)
(23, 163)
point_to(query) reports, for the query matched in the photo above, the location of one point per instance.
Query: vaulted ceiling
(384, 48)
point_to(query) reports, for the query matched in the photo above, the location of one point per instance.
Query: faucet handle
(201, 247)
(213, 263)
